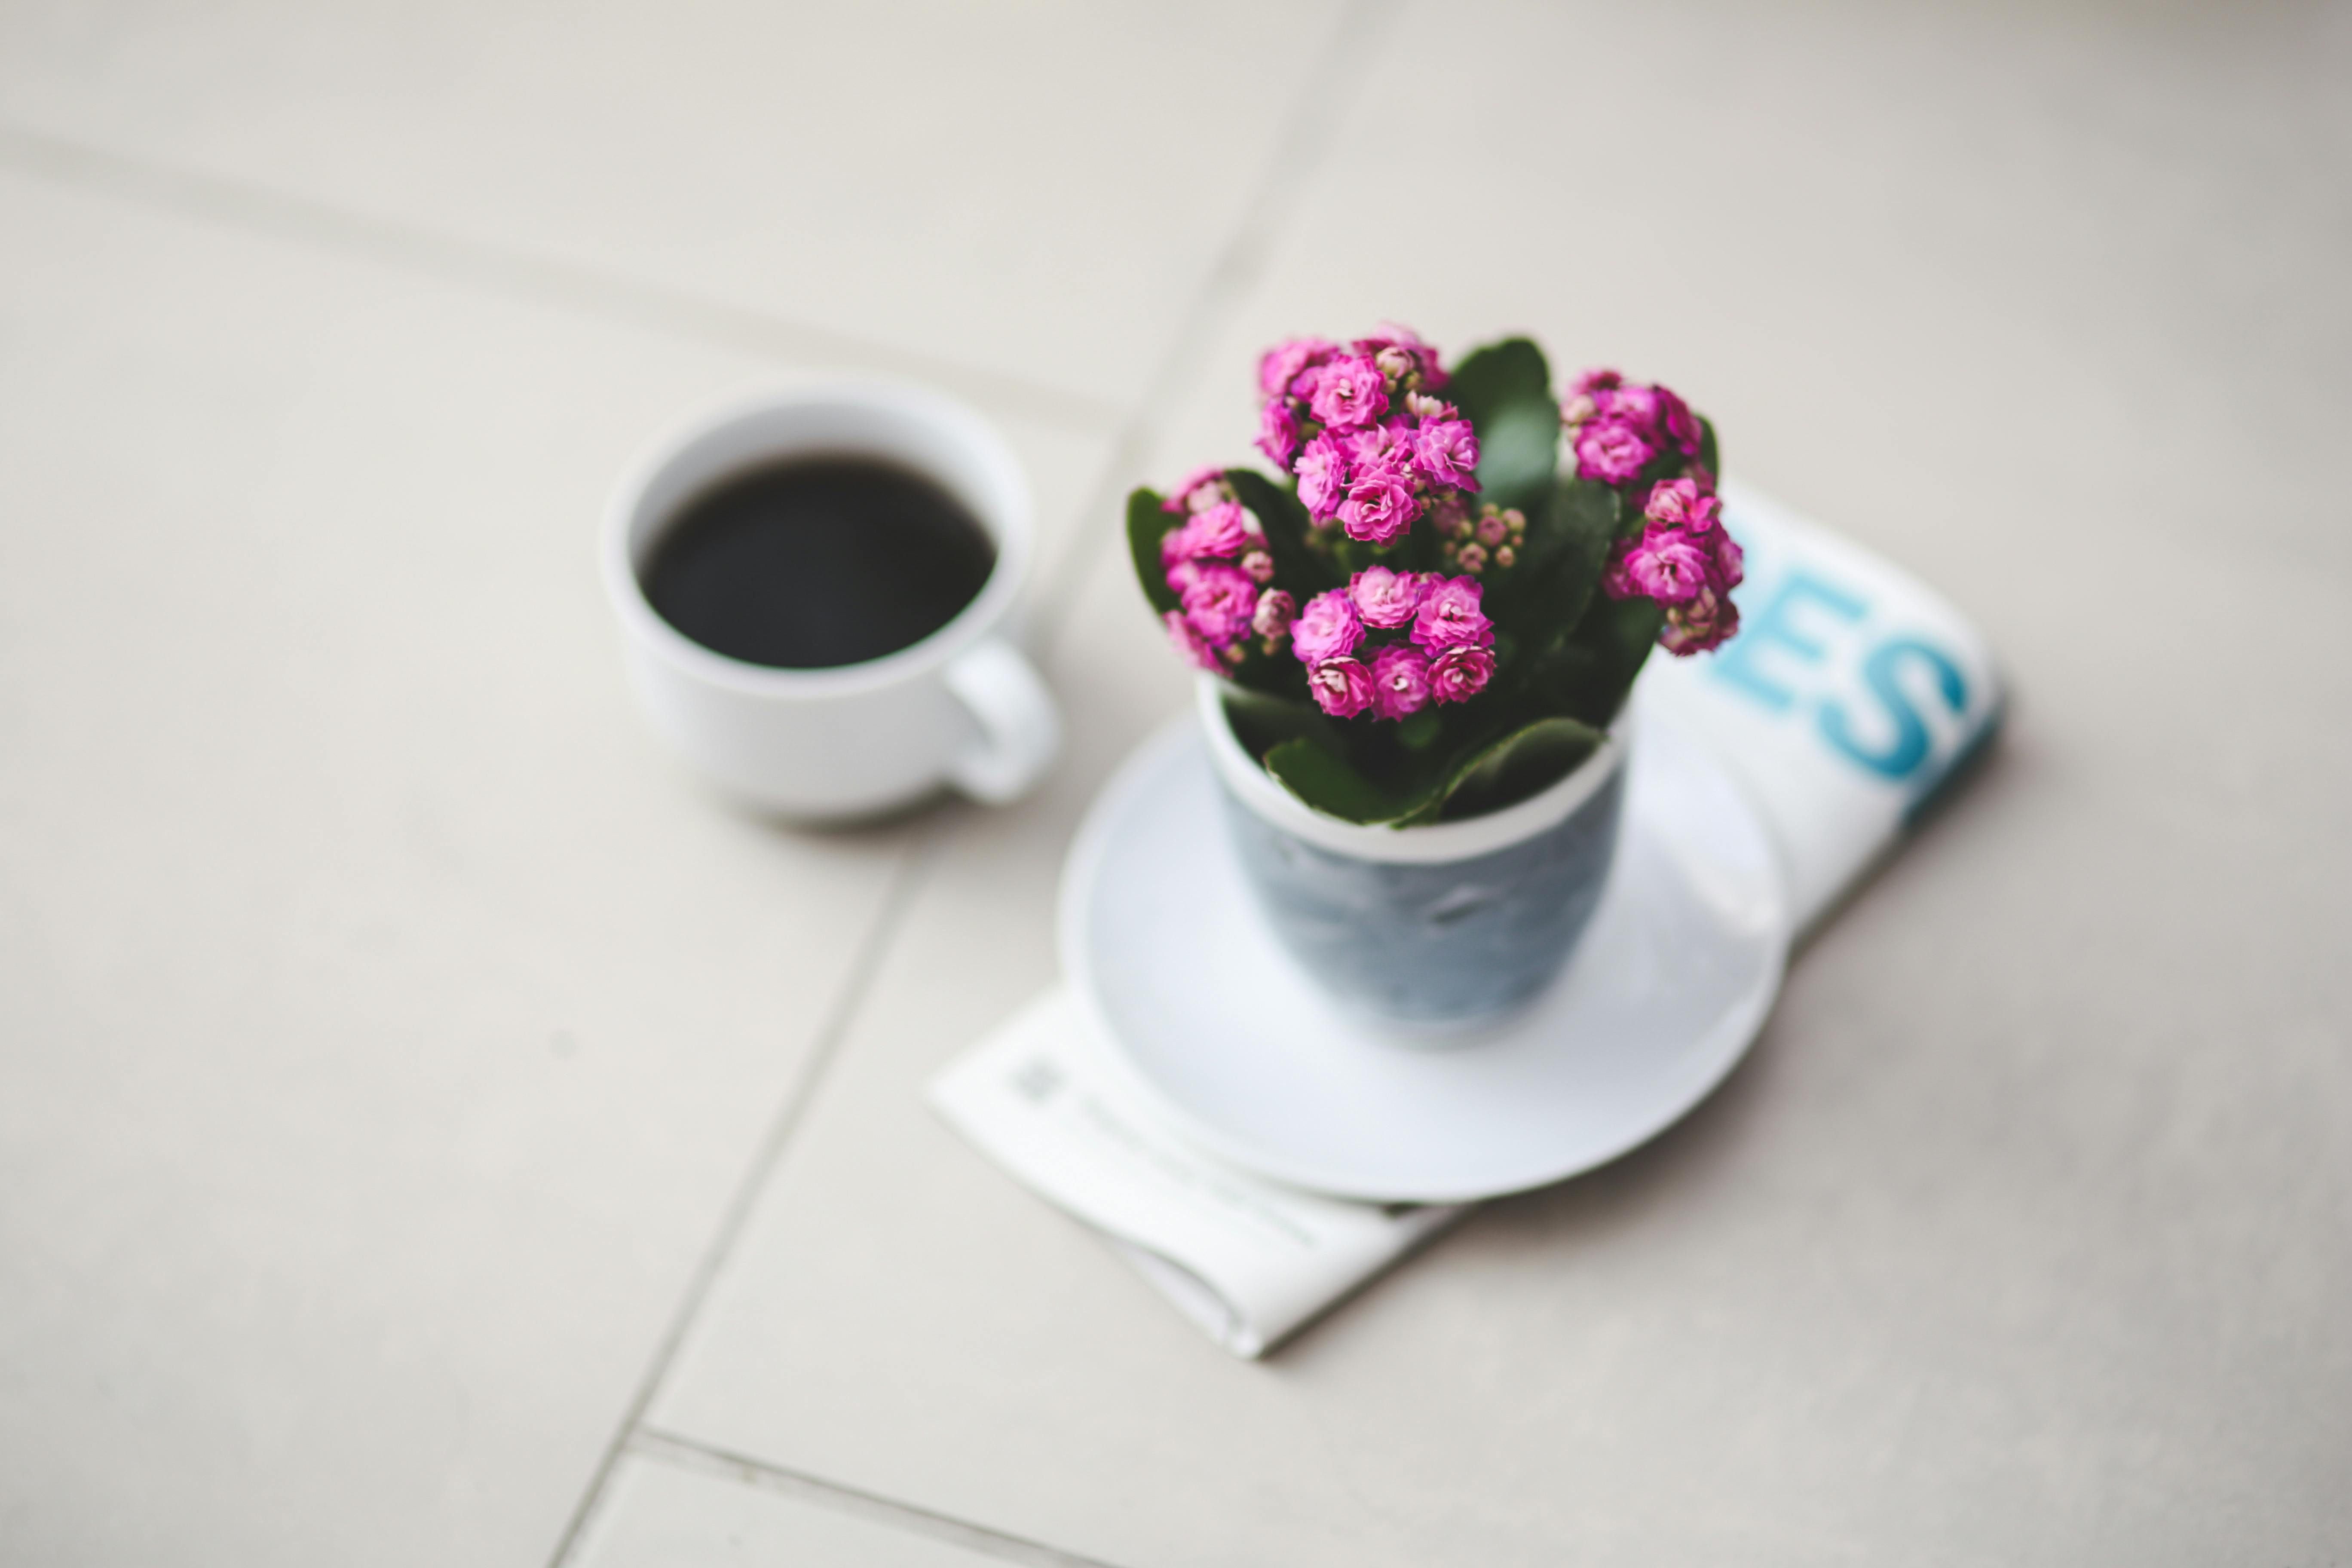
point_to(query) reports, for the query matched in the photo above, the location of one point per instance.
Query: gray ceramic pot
(1428, 931)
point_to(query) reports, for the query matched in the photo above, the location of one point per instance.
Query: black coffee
(817, 563)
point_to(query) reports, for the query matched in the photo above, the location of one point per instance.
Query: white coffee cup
(963, 707)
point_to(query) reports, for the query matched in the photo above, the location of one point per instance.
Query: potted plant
(1416, 645)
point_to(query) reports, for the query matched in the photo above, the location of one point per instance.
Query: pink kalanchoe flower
(1221, 603)
(1493, 529)
(1634, 405)
(1445, 453)
(1276, 610)
(1677, 424)
(1610, 452)
(1731, 563)
(1277, 434)
(1420, 405)
(1400, 681)
(1709, 621)
(1177, 546)
(1417, 354)
(1593, 381)
(1349, 394)
(1259, 565)
(1221, 532)
(1683, 503)
(1386, 599)
(1189, 643)
(1182, 573)
(1449, 617)
(1199, 480)
(1340, 687)
(1383, 453)
(1381, 506)
(1282, 364)
(1615, 581)
(1323, 477)
(1668, 567)
(1327, 628)
(1460, 673)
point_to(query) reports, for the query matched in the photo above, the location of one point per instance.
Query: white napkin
(1852, 695)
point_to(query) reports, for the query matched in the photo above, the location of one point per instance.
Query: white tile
(1037, 189)
(1923, 265)
(384, 1021)
(657, 1515)
(2016, 1240)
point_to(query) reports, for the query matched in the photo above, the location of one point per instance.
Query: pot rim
(1248, 782)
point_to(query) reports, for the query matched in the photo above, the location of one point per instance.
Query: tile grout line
(751, 1184)
(541, 279)
(1296, 152)
(701, 1458)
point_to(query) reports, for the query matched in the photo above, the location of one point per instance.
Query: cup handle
(1019, 728)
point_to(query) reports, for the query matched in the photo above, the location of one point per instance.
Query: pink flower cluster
(1394, 642)
(1217, 565)
(1617, 427)
(1363, 431)
(1685, 562)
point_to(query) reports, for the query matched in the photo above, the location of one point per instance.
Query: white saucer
(1176, 969)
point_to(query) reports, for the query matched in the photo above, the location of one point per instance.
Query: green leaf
(1497, 375)
(1630, 631)
(1522, 763)
(1330, 783)
(1548, 591)
(1518, 451)
(1420, 732)
(1261, 721)
(1146, 526)
(1617, 635)
(1587, 516)
(1276, 677)
(1709, 454)
(1505, 391)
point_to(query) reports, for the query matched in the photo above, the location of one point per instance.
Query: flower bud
(1272, 618)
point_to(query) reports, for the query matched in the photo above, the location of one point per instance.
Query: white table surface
(431, 1131)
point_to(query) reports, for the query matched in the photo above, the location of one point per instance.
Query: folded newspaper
(1849, 698)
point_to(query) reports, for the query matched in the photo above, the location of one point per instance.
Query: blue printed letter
(1776, 623)
(1909, 748)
